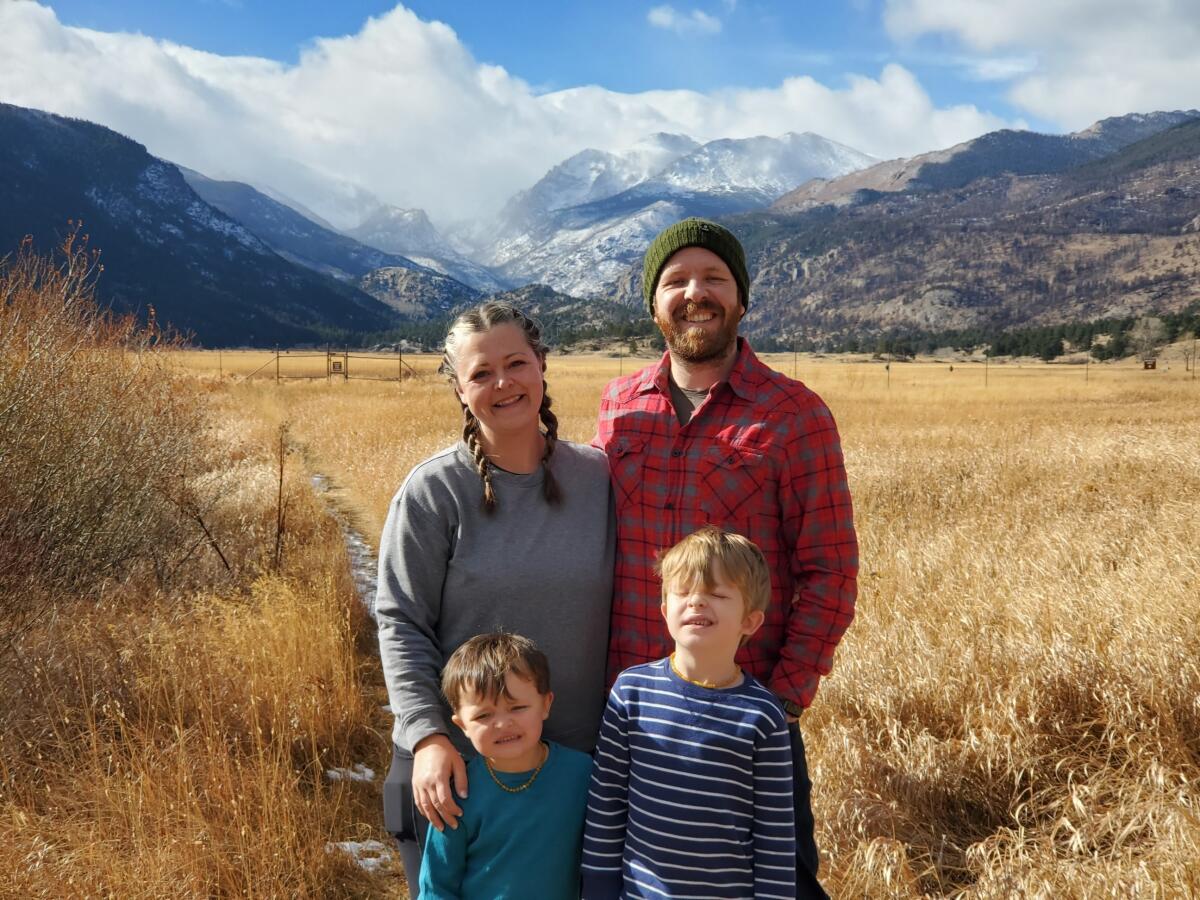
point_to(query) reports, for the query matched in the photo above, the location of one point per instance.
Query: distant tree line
(1046, 342)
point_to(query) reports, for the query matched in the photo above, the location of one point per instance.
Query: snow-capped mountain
(582, 224)
(409, 233)
(770, 166)
(591, 175)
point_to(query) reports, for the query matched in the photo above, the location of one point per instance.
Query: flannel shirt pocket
(733, 480)
(626, 457)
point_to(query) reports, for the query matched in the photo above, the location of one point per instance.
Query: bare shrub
(97, 440)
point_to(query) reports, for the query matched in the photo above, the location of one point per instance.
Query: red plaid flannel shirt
(761, 457)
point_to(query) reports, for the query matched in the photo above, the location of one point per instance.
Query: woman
(510, 529)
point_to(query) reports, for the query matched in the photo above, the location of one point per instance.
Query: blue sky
(455, 106)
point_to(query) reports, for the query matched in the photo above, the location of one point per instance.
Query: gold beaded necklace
(521, 787)
(711, 685)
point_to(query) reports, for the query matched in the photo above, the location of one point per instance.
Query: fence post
(345, 365)
(400, 366)
(277, 364)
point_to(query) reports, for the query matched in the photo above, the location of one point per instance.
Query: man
(711, 435)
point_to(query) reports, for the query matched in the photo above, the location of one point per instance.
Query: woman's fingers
(460, 775)
(427, 806)
(445, 805)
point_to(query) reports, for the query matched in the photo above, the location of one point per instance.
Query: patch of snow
(364, 567)
(358, 772)
(372, 856)
(208, 218)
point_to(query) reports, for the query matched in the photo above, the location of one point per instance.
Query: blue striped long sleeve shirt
(691, 793)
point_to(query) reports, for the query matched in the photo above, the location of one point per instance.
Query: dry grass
(1016, 711)
(162, 745)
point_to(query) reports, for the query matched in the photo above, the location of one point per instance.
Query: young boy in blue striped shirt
(691, 790)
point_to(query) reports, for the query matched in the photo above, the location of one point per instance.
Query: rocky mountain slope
(290, 233)
(418, 296)
(1016, 152)
(563, 315)
(409, 232)
(1115, 236)
(162, 245)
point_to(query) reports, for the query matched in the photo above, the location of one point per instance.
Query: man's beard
(695, 345)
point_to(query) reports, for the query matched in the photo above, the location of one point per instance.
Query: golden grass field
(1014, 713)
(1017, 707)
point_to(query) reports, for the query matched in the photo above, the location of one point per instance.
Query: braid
(482, 464)
(549, 486)
(480, 319)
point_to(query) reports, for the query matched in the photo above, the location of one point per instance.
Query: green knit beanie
(694, 233)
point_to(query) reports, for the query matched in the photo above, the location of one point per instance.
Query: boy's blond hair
(483, 663)
(694, 559)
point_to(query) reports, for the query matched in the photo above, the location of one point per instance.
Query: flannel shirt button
(677, 453)
(669, 506)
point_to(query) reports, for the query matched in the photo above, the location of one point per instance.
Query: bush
(97, 439)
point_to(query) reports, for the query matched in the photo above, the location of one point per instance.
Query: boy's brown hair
(695, 558)
(481, 665)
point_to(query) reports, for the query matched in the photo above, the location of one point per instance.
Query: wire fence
(334, 364)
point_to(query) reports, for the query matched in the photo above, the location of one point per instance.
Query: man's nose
(694, 289)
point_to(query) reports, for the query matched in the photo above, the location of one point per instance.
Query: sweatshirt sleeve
(774, 814)
(608, 805)
(414, 553)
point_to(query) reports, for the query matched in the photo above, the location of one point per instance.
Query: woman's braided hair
(484, 318)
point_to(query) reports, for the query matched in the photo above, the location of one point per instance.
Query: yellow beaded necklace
(521, 787)
(711, 685)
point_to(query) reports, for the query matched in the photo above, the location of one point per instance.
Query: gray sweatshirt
(449, 571)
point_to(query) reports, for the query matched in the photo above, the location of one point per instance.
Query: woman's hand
(435, 762)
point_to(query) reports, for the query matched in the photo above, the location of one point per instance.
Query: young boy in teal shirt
(521, 831)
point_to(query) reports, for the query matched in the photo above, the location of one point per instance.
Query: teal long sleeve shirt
(507, 845)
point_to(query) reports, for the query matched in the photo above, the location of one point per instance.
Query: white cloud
(1094, 58)
(694, 22)
(402, 109)
(998, 68)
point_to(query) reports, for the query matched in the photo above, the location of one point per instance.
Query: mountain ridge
(161, 244)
